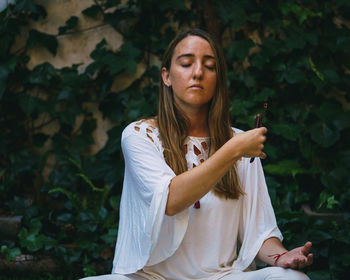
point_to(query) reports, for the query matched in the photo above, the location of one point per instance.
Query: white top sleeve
(258, 221)
(142, 210)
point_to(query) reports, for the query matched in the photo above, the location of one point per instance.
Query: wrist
(235, 149)
(276, 257)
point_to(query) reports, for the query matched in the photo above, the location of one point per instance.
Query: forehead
(193, 45)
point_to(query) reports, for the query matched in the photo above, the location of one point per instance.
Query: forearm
(269, 249)
(190, 186)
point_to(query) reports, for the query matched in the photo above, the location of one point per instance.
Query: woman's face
(192, 74)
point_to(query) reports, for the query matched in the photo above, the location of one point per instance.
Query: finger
(302, 263)
(310, 259)
(262, 155)
(263, 130)
(306, 248)
(294, 264)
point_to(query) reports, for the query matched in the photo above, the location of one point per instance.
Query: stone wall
(74, 47)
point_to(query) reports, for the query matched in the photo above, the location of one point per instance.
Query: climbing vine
(292, 54)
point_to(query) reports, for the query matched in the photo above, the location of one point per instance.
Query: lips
(196, 86)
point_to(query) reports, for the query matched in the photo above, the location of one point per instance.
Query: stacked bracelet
(277, 256)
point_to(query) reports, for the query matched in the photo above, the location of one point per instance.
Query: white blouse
(220, 237)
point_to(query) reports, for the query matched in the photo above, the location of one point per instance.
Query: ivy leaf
(114, 201)
(28, 104)
(39, 139)
(92, 11)
(326, 199)
(287, 131)
(239, 49)
(10, 253)
(292, 75)
(225, 11)
(37, 38)
(130, 53)
(68, 116)
(111, 3)
(285, 168)
(323, 134)
(70, 24)
(42, 74)
(109, 237)
(64, 94)
(295, 41)
(4, 72)
(264, 95)
(30, 238)
(26, 5)
(332, 76)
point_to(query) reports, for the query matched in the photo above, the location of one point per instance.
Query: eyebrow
(192, 55)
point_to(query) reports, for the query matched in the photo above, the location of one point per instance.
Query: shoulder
(140, 127)
(141, 130)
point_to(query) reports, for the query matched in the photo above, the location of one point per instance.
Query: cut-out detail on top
(196, 150)
(197, 205)
(137, 128)
(148, 130)
(151, 123)
(150, 137)
(204, 145)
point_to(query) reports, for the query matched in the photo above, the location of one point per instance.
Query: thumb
(306, 248)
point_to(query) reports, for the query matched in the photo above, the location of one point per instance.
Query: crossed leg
(268, 273)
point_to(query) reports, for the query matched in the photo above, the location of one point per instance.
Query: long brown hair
(173, 124)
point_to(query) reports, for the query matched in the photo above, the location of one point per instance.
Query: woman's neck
(198, 125)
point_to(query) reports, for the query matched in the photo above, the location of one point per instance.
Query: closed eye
(210, 66)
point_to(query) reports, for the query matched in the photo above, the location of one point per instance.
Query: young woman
(193, 206)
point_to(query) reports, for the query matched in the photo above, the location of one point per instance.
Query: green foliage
(292, 54)
(37, 39)
(10, 253)
(70, 24)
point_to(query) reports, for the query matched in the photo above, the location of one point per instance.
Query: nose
(198, 71)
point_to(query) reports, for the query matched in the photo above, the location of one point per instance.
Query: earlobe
(165, 77)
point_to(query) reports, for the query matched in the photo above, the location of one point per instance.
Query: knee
(289, 274)
(296, 275)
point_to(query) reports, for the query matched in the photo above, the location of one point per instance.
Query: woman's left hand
(297, 258)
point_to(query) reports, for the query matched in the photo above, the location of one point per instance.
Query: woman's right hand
(250, 143)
